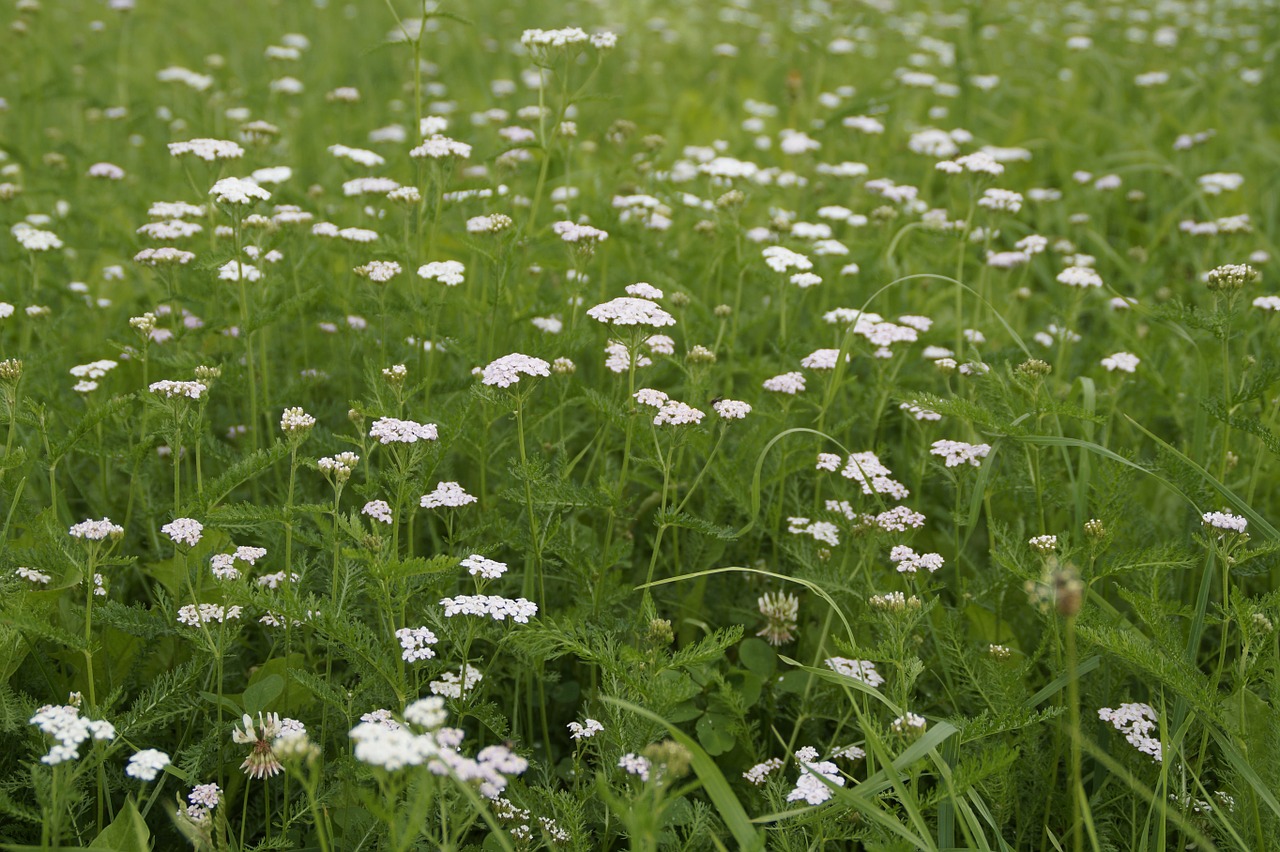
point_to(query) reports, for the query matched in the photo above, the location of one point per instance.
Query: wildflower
(146, 764)
(491, 224)
(1225, 521)
(863, 671)
(780, 611)
(907, 561)
(675, 413)
(1125, 362)
(184, 531)
(782, 259)
(757, 774)
(33, 239)
(731, 409)
(821, 531)
(33, 575)
(810, 786)
(208, 150)
(454, 684)
(958, 452)
(586, 730)
(628, 310)
(496, 607)
(295, 421)
(194, 615)
(506, 371)
(634, 764)
(999, 652)
(479, 566)
(1231, 276)
(788, 383)
(389, 430)
(908, 724)
(440, 147)
(379, 510)
(446, 495)
(205, 795)
(164, 256)
(1079, 276)
(416, 641)
(641, 290)
(96, 530)
(262, 761)
(919, 412)
(234, 190)
(893, 602)
(361, 156)
(572, 232)
(1137, 722)
(64, 723)
(378, 271)
(1044, 543)
(427, 712)
(448, 272)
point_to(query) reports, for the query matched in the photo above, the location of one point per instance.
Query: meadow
(841, 424)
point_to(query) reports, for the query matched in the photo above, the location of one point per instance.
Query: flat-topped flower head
(378, 271)
(146, 764)
(34, 239)
(447, 495)
(782, 259)
(506, 371)
(958, 452)
(439, 147)
(788, 383)
(448, 272)
(493, 606)
(96, 530)
(494, 223)
(641, 290)
(479, 566)
(164, 256)
(209, 150)
(676, 413)
(1225, 521)
(389, 430)
(731, 409)
(628, 310)
(234, 190)
(379, 510)
(64, 724)
(1125, 362)
(907, 561)
(859, 670)
(416, 643)
(295, 421)
(174, 389)
(360, 156)
(573, 232)
(584, 730)
(186, 531)
(1079, 276)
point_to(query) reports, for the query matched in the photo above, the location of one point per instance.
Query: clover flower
(780, 611)
(263, 761)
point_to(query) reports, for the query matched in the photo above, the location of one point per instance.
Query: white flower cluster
(96, 530)
(448, 272)
(454, 684)
(628, 310)
(757, 774)
(389, 430)
(1125, 362)
(897, 519)
(184, 531)
(146, 764)
(1079, 276)
(276, 580)
(170, 389)
(788, 383)
(208, 150)
(495, 606)
(586, 730)
(1225, 521)
(907, 561)
(731, 409)
(233, 190)
(479, 566)
(1137, 722)
(378, 271)
(919, 412)
(491, 224)
(618, 358)
(296, 420)
(163, 256)
(340, 465)
(782, 259)
(446, 495)
(573, 232)
(675, 413)
(634, 764)
(863, 671)
(908, 724)
(223, 564)
(821, 531)
(379, 510)
(958, 452)
(867, 470)
(416, 642)
(363, 157)
(32, 575)
(554, 38)
(440, 147)
(505, 371)
(816, 778)
(194, 615)
(34, 239)
(64, 723)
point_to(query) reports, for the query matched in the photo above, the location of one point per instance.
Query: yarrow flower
(446, 495)
(958, 452)
(907, 561)
(816, 778)
(447, 272)
(586, 730)
(146, 764)
(416, 641)
(1137, 722)
(184, 531)
(494, 606)
(634, 764)
(675, 413)
(64, 723)
(194, 615)
(788, 383)
(1125, 362)
(33, 575)
(628, 310)
(454, 684)
(378, 271)
(233, 190)
(731, 409)
(1079, 276)
(296, 421)
(506, 371)
(757, 774)
(170, 389)
(863, 671)
(479, 566)
(379, 510)
(96, 530)
(1225, 521)
(389, 430)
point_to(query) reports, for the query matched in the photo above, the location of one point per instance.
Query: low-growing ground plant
(617, 425)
